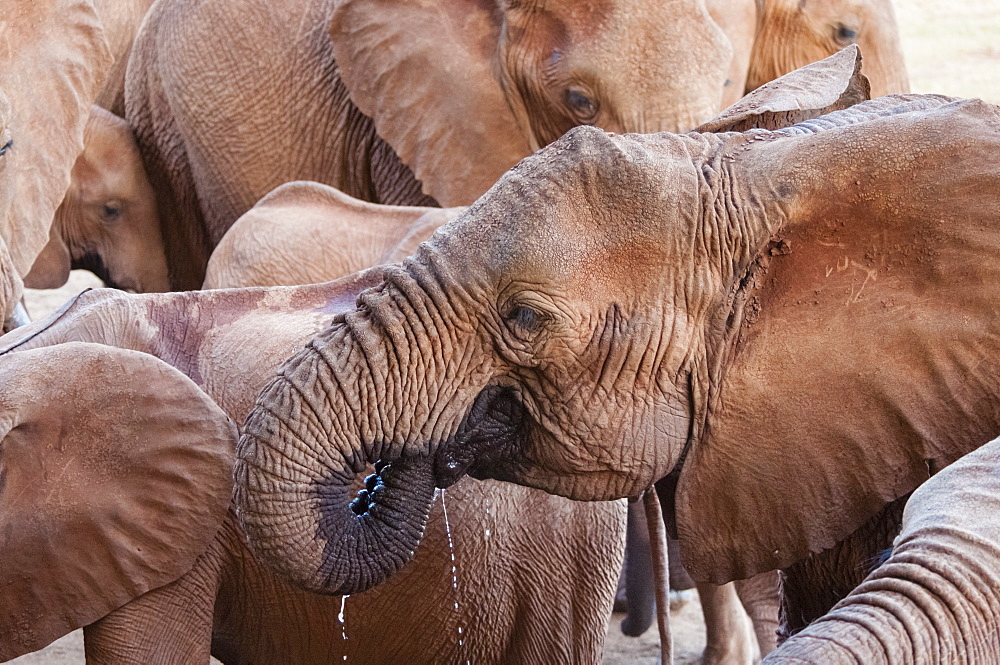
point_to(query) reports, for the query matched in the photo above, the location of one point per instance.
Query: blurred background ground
(952, 47)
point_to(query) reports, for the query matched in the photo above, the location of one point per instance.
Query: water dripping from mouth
(486, 506)
(454, 574)
(343, 624)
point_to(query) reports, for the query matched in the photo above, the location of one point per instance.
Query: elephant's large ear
(114, 477)
(56, 59)
(831, 84)
(52, 265)
(863, 353)
(426, 73)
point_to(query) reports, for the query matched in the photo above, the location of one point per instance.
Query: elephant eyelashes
(582, 105)
(524, 320)
(7, 146)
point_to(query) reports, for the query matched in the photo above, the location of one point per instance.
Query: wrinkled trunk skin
(930, 606)
(937, 597)
(294, 482)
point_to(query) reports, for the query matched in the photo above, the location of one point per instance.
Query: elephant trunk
(314, 429)
(930, 603)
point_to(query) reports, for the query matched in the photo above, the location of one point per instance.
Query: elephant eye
(524, 320)
(845, 35)
(582, 105)
(111, 211)
(7, 146)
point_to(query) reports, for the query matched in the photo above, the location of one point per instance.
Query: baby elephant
(107, 222)
(937, 597)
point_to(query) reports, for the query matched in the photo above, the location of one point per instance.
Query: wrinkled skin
(749, 291)
(305, 232)
(529, 590)
(391, 102)
(934, 600)
(62, 60)
(107, 222)
(793, 33)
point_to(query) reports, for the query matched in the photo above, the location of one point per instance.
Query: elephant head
(55, 61)
(107, 223)
(793, 33)
(462, 90)
(617, 303)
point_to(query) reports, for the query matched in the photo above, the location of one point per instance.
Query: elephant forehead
(590, 205)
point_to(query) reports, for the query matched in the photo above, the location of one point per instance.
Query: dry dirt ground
(951, 47)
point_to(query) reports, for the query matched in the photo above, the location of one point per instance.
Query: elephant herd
(422, 292)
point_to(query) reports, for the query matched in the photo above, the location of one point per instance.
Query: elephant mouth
(490, 442)
(95, 263)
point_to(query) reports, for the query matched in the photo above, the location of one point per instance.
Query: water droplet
(454, 570)
(343, 624)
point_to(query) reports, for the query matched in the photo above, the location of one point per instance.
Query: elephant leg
(165, 626)
(729, 633)
(812, 586)
(760, 599)
(639, 595)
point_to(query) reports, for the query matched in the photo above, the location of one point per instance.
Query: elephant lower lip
(489, 440)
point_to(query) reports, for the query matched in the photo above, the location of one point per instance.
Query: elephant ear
(56, 59)
(114, 477)
(426, 74)
(863, 353)
(831, 84)
(52, 265)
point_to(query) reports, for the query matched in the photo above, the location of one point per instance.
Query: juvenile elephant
(305, 232)
(793, 33)
(773, 37)
(46, 91)
(107, 222)
(616, 304)
(935, 599)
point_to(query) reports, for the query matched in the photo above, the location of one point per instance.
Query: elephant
(934, 599)
(107, 221)
(773, 37)
(45, 97)
(519, 577)
(793, 33)
(620, 310)
(394, 102)
(306, 232)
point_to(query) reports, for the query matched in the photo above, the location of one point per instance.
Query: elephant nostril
(374, 487)
(361, 504)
